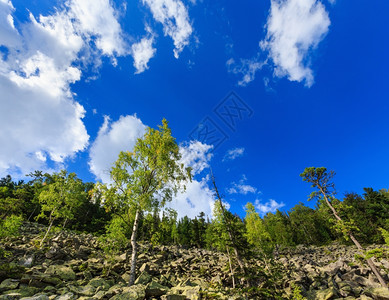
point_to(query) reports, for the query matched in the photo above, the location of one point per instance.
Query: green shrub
(297, 293)
(10, 226)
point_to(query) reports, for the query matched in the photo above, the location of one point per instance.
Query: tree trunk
(231, 270)
(36, 206)
(134, 247)
(228, 226)
(355, 241)
(64, 223)
(48, 230)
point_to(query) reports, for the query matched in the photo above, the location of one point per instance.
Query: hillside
(72, 266)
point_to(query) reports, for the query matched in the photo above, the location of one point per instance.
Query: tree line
(85, 213)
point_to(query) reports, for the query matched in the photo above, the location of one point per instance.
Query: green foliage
(279, 227)
(319, 178)
(61, 197)
(385, 235)
(146, 178)
(11, 270)
(10, 226)
(309, 226)
(116, 237)
(297, 293)
(344, 228)
(256, 233)
(369, 213)
(217, 236)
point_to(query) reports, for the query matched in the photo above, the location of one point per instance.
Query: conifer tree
(322, 181)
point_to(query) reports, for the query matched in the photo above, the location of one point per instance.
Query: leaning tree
(322, 181)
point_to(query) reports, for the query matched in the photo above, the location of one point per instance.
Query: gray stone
(364, 281)
(27, 261)
(154, 289)
(63, 272)
(37, 297)
(144, 278)
(173, 297)
(326, 294)
(9, 284)
(99, 282)
(135, 292)
(67, 296)
(378, 293)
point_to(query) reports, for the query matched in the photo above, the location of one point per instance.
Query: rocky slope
(72, 266)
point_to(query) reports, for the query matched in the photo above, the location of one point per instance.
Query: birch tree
(144, 179)
(61, 197)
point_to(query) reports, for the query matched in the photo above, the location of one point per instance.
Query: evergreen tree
(322, 181)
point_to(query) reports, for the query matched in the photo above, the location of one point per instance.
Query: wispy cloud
(241, 187)
(174, 17)
(247, 68)
(269, 206)
(233, 154)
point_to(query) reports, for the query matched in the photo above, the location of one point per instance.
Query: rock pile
(332, 272)
(72, 266)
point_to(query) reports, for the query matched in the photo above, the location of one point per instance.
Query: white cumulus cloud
(39, 117)
(197, 198)
(112, 138)
(174, 17)
(8, 34)
(97, 19)
(294, 28)
(195, 155)
(269, 206)
(142, 52)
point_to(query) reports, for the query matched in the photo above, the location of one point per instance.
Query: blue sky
(303, 82)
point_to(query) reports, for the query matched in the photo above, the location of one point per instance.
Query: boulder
(87, 290)
(99, 282)
(27, 261)
(135, 292)
(67, 296)
(144, 278)
(378, 293)
(63, 272)
(326, 294)
(24, 291)
(190, 292)
(37, 297)
(9, 284)
(364, 281)
(154, 289)
(173, 297)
